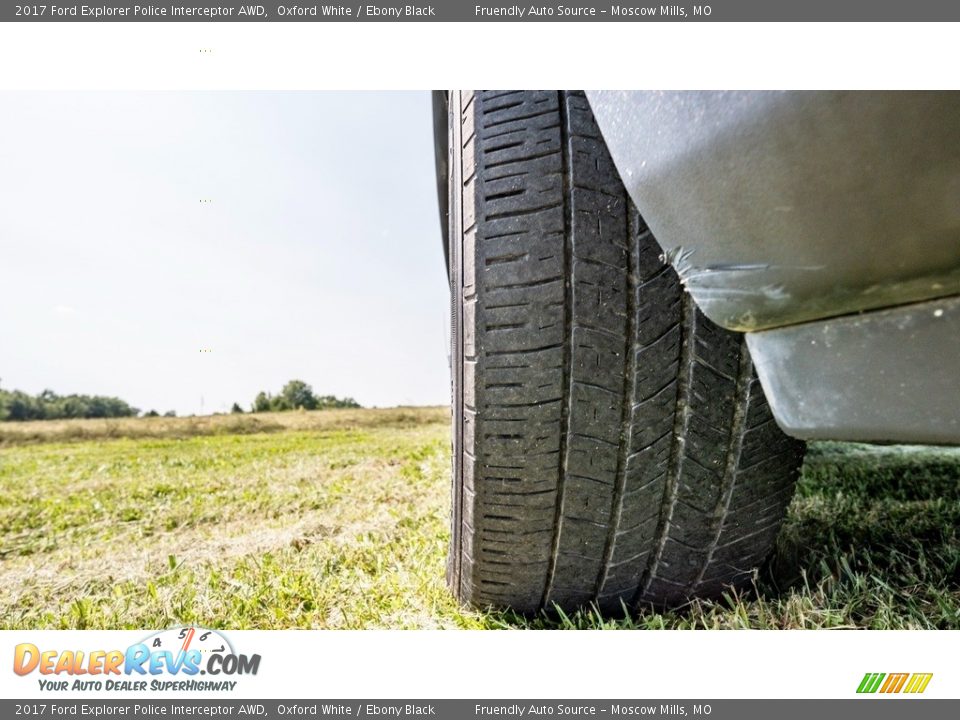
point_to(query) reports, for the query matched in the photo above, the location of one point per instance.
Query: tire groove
(681, 421)
(457, 118)
(568, 339)
(740, 410)
(627, 410)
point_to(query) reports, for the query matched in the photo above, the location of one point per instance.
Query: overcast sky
(318, 256)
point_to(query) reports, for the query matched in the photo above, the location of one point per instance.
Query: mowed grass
(338, 519)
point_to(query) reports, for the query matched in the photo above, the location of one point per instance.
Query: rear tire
(611, 445)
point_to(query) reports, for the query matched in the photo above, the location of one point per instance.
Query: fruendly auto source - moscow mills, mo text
(570, 11)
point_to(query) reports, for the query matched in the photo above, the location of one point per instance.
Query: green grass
(327, 520)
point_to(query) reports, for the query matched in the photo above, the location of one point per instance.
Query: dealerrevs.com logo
(169, 660)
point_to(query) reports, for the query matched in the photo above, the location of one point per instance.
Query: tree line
(16, 405)
(297, 395)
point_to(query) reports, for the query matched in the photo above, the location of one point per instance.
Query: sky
(183, 251)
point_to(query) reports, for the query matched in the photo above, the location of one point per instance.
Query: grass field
(338, 519)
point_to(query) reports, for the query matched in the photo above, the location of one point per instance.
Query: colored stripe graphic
(894, 683)
(870, 683)
(918, 682)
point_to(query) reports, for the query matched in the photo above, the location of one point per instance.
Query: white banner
(452, 664)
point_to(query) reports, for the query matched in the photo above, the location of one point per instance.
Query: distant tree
(278, 403)
(151, 413)
(261, 403)
(325, 402)
(297, 394)
(236, 409)
(73, 407)
(20, 406)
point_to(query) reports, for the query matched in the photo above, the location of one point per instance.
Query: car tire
(611, 446)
